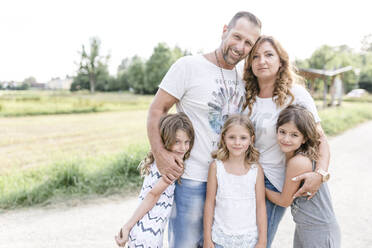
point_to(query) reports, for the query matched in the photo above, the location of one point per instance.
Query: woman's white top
(235, 209)
(264, 117)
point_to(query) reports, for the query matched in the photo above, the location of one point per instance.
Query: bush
(338, 119)
(71, 178)
(366, 85)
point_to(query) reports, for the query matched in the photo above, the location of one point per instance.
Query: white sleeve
(303, 98)
(174, 82)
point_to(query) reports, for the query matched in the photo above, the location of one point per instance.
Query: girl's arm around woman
(297, 165)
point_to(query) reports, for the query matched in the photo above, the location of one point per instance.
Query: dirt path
(94, 224)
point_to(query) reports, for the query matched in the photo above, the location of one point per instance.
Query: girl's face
(289, 137)
(266, 62)
(237, 140)
(182, 144)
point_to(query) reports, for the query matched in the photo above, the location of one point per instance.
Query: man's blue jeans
(275, 214)
(185, 228)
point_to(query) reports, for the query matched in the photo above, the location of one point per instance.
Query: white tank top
(235, 209)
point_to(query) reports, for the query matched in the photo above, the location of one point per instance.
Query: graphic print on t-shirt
(222, 105)
(263, 121)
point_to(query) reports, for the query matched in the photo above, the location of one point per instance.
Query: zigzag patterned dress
(148, 232)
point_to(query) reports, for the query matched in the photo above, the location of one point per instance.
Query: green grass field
(30, 103)
(49, 158)
(34, 141)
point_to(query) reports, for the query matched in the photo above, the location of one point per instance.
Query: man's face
(238, 41)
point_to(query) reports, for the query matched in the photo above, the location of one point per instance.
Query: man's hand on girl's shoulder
(169, 165)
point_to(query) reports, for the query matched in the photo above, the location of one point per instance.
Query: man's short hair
(244, 14)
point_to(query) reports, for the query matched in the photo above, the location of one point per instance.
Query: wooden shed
(333, 78)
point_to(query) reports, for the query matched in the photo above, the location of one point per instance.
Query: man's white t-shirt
(264, 116)
(197, 84)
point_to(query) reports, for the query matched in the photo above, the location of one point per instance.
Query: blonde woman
(271, 85)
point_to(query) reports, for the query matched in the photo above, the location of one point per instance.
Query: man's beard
(225, 55)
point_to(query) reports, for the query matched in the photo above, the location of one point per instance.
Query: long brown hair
(305, 123)
(286, 75)
(222, 153)
(169, 125)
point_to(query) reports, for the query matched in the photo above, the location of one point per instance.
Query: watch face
(326, 177)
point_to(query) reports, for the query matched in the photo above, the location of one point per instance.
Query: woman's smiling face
(266, 61)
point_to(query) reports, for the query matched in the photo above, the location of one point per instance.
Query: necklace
(228, 98)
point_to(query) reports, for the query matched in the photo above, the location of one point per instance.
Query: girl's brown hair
(305, 123)
(286, 75)
(169, 125)
(252, 154)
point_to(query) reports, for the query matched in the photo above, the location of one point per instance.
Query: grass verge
(338, 119)
(100, 176)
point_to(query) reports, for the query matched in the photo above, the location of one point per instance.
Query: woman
(270, 87)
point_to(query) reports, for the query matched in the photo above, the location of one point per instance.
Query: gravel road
(94, 223)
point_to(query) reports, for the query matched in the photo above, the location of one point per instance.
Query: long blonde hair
(305, 123)
(286, 76)
(222, 153)
(169, 125)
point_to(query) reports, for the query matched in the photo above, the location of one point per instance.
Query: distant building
(59, 84)
(10, 84)
(37, 86)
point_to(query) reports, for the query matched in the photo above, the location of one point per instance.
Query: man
(207, 88)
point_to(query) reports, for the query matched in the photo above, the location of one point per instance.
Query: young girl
(298, 138)
(235, 211)
(146, 226)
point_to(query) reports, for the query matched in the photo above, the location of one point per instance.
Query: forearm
(145, 206)
(278, 199)
(262, 223)
(208, 220)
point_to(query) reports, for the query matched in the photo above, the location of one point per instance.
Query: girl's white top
(235, 209)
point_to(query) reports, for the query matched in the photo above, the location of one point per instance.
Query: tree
(144, 77)
(156, 67)
(92, 63)
(367, 43)
(365, 79)
(29, 81)
(80, 82)
(331, 58)
(321, 57)
(136, 75)
(122, 75)
(177, 53)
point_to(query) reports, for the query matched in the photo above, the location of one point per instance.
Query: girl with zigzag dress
(146, 226)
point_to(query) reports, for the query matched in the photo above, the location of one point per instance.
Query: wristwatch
(325, 175)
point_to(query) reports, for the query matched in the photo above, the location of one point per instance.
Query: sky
(42, 38)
